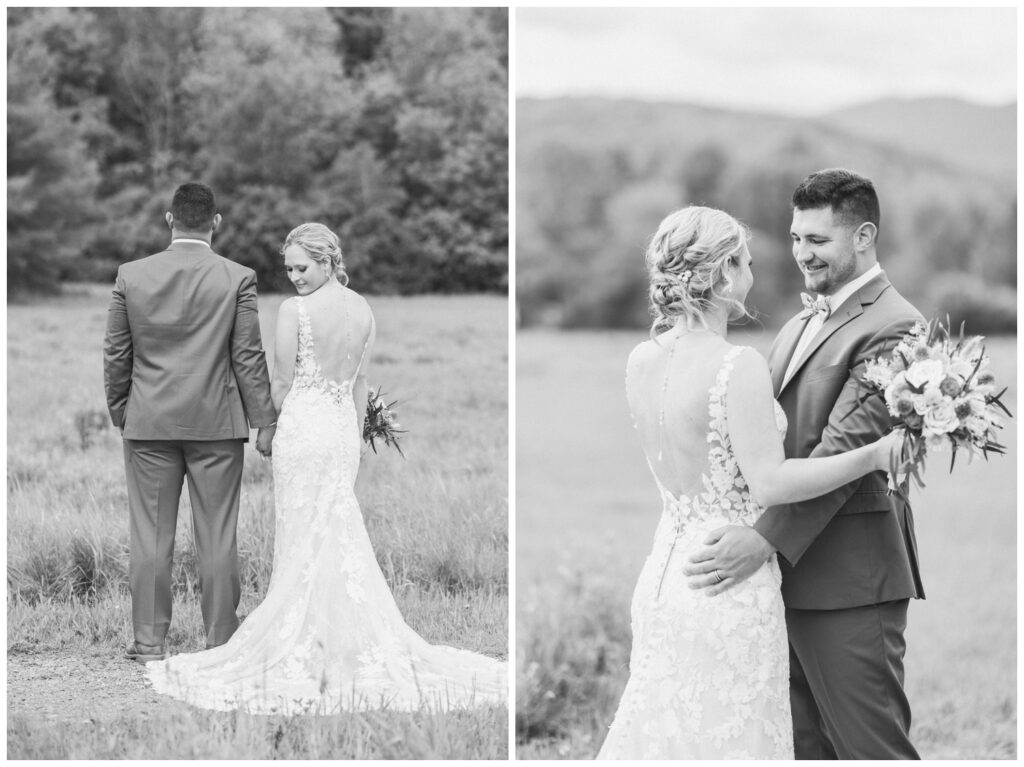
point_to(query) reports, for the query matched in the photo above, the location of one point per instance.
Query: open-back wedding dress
(709, 676)
(328, 636)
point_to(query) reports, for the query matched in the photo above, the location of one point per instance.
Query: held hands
(264, 438)
(728, 557)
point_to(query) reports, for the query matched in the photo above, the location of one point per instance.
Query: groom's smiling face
(823, 246)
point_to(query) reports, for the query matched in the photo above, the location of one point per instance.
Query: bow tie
(812, 306)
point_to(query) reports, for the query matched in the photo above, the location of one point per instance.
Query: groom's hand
(264, 438)
(728, 557)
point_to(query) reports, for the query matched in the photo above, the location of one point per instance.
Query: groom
(848, 558)
(185, 377)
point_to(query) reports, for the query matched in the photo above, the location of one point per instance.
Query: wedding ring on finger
(718, 575)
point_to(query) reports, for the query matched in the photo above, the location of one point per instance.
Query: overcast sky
(791, 60)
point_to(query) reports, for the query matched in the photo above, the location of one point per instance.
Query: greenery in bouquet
(941, 393)
(381, 423)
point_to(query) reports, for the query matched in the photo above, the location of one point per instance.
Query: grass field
(586, 509)
(438, 522)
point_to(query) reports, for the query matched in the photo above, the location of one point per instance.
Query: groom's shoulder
(143, 263)
(236, 270)
(892, 305)
(891, 316)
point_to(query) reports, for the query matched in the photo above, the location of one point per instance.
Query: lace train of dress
(328, 636)
(709, 676)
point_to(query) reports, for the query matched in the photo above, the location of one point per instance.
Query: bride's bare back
(667, 385)
(342, 326)
(341, 322)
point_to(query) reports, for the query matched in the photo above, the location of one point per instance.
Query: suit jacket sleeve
(117, 355)
(791, 528)
(248, 360)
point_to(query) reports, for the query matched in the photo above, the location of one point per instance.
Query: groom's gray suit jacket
(855, 545)
(183, 356)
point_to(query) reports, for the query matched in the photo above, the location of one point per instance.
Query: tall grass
(438, 521)
(479, 734)
(586, 509)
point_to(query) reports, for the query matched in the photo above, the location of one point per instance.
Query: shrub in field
(90, 423)
(97, 562)
(80, 566)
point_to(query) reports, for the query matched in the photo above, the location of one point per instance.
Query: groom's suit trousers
(156, 471)
(846, 682)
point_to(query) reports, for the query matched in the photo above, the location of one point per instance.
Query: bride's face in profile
(742, 281)
(306, 274)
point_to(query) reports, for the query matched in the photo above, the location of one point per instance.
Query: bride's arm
(286, 345)
(757, 445)
(359, 387)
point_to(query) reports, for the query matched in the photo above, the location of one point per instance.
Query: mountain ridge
(966, 136)
(964, 133)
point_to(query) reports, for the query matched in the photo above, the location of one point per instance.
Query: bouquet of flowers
(381, 422)
(941, 394)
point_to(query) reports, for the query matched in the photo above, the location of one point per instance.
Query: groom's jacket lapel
(850, 310)
(782, 351)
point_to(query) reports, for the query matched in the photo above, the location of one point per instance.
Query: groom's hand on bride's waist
(728, 556)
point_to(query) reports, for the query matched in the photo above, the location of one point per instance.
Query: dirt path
(66, 686)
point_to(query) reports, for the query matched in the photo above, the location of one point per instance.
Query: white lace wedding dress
(709, 676)
(328, 636)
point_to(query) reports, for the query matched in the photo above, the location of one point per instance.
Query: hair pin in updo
(685, 277)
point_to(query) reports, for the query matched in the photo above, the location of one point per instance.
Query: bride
(328, 636)
(709, 678)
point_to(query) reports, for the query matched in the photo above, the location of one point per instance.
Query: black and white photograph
(258, 383)
(765, 383)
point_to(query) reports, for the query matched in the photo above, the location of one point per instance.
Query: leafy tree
(151, 51)
(50, 180)
(362, 30)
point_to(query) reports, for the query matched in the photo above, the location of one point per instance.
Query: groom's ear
(216, 222)
(169, 219)
(865, 236)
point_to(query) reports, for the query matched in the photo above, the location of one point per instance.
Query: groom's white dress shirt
(814, 324)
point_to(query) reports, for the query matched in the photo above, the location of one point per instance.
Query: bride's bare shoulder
(748, 359)
(750, 372)
(357, 299)
(642, 353)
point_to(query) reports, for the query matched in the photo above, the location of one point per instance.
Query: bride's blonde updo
(686, 263)
(321, 245)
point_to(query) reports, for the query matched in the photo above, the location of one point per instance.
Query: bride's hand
(889, 450)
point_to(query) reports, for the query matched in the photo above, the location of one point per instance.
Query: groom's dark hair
(851, 196)
(194, 207)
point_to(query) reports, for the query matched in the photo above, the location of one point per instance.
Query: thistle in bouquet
(381, 423)
(941, 394)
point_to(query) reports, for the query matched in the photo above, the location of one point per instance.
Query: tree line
(389, 125)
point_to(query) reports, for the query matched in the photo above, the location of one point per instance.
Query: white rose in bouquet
(927, 372)
(941, 418)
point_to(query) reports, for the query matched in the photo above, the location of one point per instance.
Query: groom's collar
(853, 286)
(189, 241)
(873, 288)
